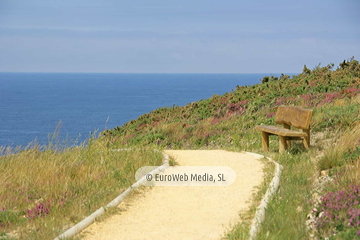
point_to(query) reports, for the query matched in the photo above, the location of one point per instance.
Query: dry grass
(334, 156)
(47, 191)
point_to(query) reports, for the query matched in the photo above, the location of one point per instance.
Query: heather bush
(338, 211)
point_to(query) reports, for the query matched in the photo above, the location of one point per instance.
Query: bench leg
(288, 142)
(306, 140)
(306, 143)
(265, 141)
(282, 144)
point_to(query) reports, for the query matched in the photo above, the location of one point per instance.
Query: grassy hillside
(329, 204)
(228, 120)
(49, 188)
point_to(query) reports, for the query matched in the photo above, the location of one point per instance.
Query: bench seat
(281, 131)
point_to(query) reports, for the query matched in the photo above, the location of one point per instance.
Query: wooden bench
(288, 116)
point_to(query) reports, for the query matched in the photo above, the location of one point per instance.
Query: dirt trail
(186, 212)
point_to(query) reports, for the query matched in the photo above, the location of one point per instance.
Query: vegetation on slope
(46, 190)
(228, 122)
(49, 189)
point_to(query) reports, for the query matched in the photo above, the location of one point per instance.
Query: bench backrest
(294, 116)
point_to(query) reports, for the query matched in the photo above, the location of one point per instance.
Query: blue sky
(166, 36)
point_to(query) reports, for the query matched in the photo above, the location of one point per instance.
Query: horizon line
(148, 72)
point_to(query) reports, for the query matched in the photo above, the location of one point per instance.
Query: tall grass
(346, 144)
(286, 213)
(45, 191)
(228, 122)
(338, 210)
(49, 188)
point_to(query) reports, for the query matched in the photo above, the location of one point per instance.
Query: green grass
(341, 197)
(48, 189)
(172, 161)
(242, 229)
(228, 121)
(286, 214)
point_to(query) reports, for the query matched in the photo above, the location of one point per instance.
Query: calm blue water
(33, 104)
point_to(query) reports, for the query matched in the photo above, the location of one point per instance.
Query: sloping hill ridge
(319, 192)
(228, 120)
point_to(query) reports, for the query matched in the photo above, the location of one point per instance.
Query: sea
(75, 106)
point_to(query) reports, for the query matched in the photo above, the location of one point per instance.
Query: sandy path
(186, 212)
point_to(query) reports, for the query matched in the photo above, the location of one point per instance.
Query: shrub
(306, 70)
(269, 79)
(339, 211)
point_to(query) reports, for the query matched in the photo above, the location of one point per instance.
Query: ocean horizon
(35, 105)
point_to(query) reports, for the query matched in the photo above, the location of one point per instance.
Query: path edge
(77, 228)
(260, 211)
